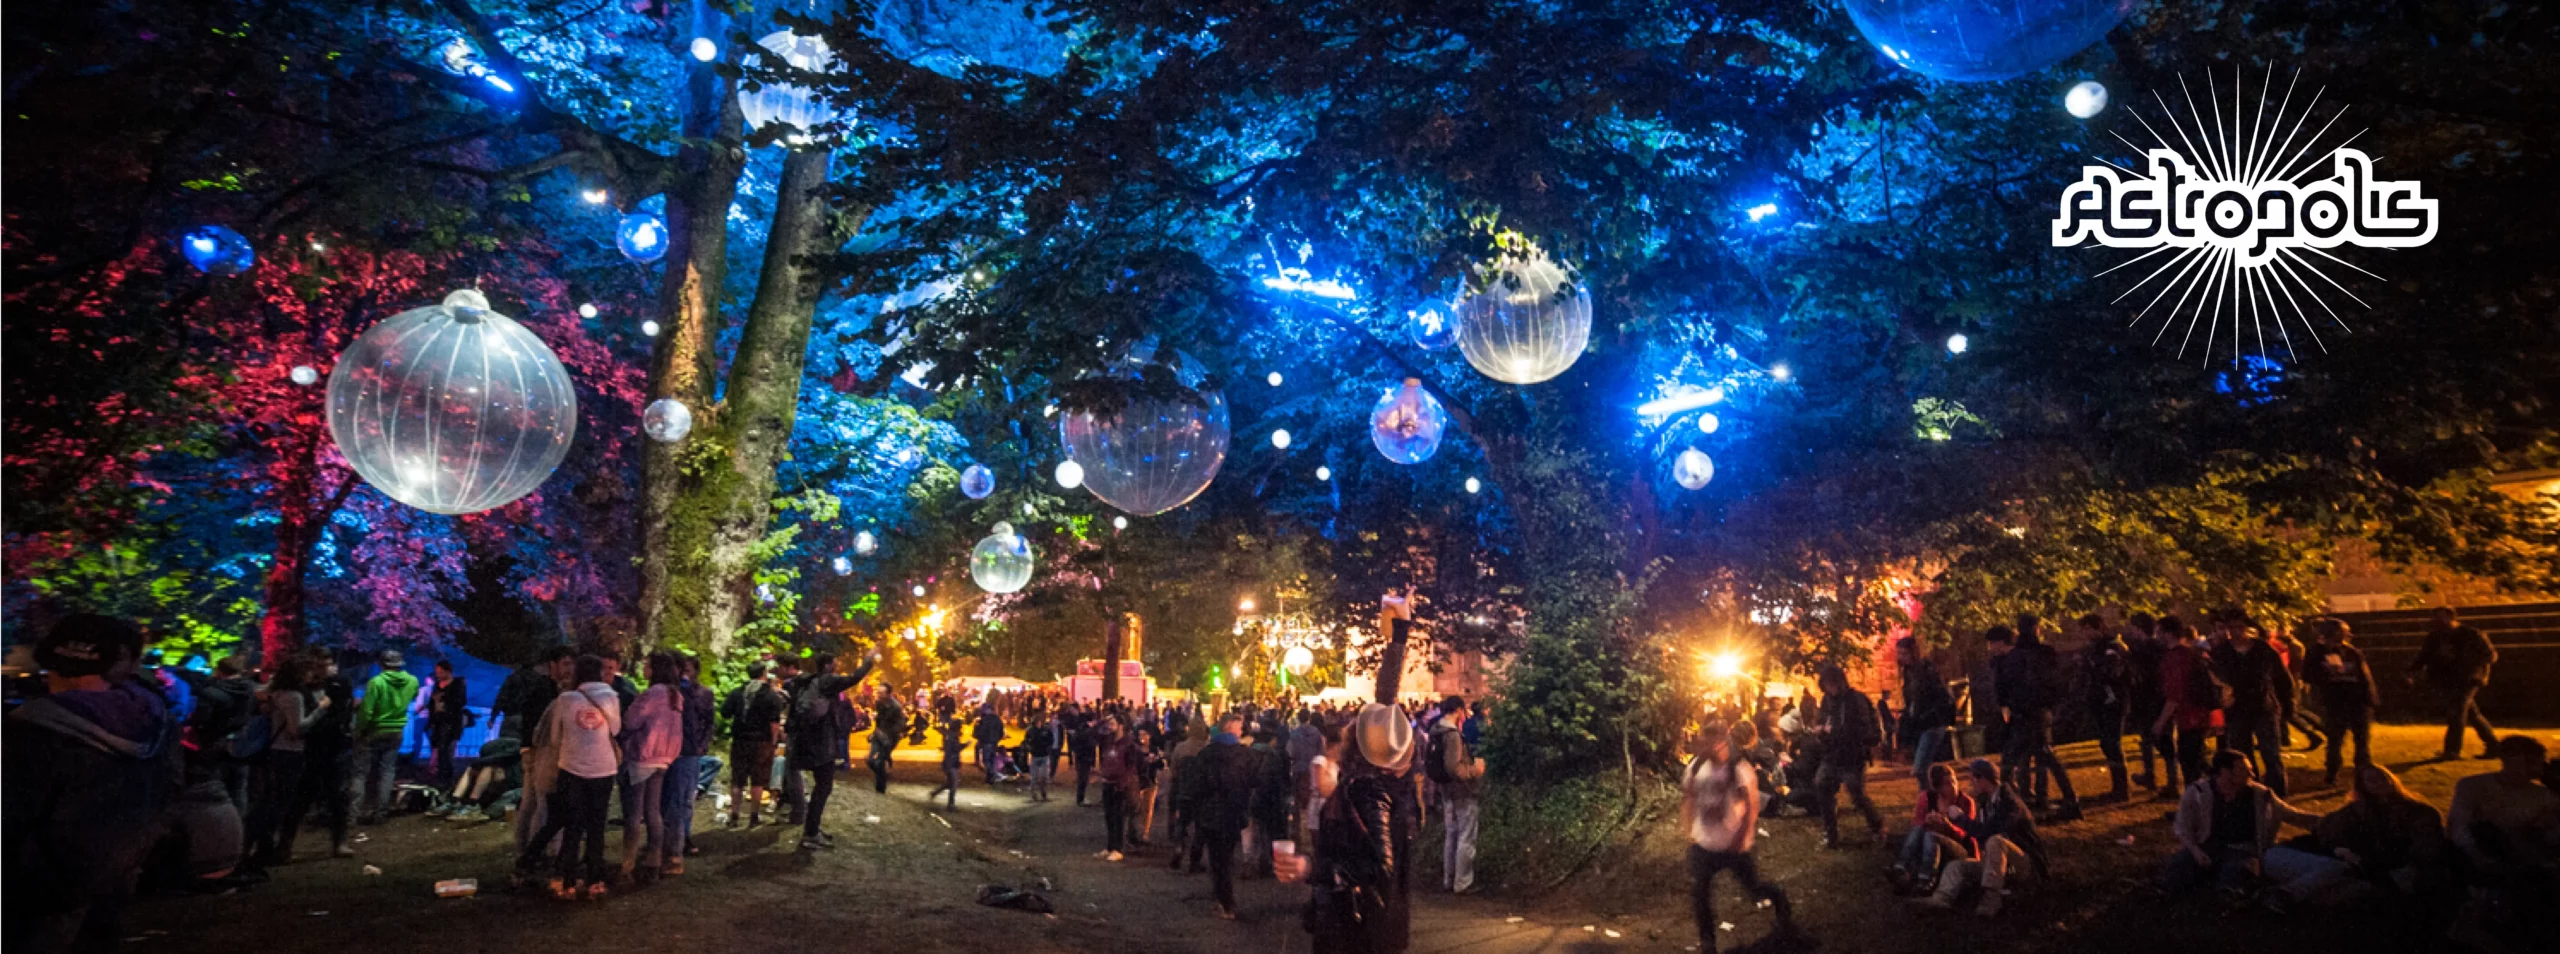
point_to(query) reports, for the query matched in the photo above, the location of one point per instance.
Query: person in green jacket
(382, 718)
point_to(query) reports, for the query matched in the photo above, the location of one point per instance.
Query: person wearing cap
(1362, 873)
(92, 767)
(382, 717)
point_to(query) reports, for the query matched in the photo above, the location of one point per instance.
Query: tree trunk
(282, 626)
(685, 364)
(718, 510)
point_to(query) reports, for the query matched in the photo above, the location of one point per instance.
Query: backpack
(2205, 688)
(1435, 762)
(810, 704)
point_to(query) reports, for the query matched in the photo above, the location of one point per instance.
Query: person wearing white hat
(1361, 875)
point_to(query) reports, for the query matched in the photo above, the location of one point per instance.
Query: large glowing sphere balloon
(1298, 659)
(1406, 423)
(1155, 453)
(1692, 469)
(217, 250)
(1001, 563)
(642, 237)
(789, 104)
(1528, 323)
(1432, 327)
(977, 482)
(666, 420)
(452, 408)
(1984, 39)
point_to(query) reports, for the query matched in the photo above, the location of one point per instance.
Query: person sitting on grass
(2385, 843)
(2001, 832)
(2507, 825)
(1932, 815)
(2226, 822)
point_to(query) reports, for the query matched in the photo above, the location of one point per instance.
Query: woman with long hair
(652, 738)
(292, 710)
(1147, 747)
(2383, 843)
(580, 726)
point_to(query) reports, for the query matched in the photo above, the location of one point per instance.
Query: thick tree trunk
(718, 509)
(300, 518)
(685, 364)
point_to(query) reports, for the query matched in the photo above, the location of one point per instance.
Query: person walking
(1147, 744)
(579, 726)
(1848, 739)
(811, 750)
(652, 735)
(1720, 813)
(2455, 660)
(1459, 776)
(448, 714)
(1222, 804)
(2027, 678)
(382, 718)
(1928, 709)
(1080, 748)
(954, 741)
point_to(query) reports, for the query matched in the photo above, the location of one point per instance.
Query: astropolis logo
(2237, 218)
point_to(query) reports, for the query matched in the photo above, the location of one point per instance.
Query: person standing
(2195, 697)
(2144, 649)
(988, 735)
(1928, 709)
(754, 736)
(2343, 684)
(1720, 812)
(448, 714)
(1040, 745)
(1146, 743)
(541, 749)
(954, 741)
(1182, 796)
(652, 734)
(811, 750)
(684, 775)
(1080, 748)
(888, 725)
(92, 766)
(529, 690)
(2107, 684)
(2455, 661)
(1222, 805)
(1362, 873)
(1849, 734)
(1116, 767)
(2027, 677)
(1459, 776)
(382, 718)
(2260, 684)
(280, 800)
(579, 726)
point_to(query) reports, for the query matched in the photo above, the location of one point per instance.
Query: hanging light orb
(217, 250)
(1154, 453)
(1119, 521)
(666, 420)
(1070, 476)
(642, 237)
(649, 328)
(587, 310)
(1407, 422)
(1001, 563)
(1274, 378)
(1324, 473)
(1957, 343)
(977, 482)
(786, 103)
(452, 408)
(2086, 100)
(704, 49)
(595, 196)
(1971, 40)
(864, 544)
(1474, 485)
(1707, 423)
(1280, 439)
(1781, 373)
(1692, 469)
(1432, 328)
(1528, 323)
(917, 589)
(1298, 659)
(304, 375)
(842, 566)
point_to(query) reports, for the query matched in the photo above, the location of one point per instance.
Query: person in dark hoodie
(1927, 708)
(2026, 677)
(91, 770)
(1221, 793)
(811, 749)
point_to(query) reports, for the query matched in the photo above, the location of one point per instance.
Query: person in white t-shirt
(1720, 810)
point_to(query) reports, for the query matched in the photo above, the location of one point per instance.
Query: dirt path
(904, 879)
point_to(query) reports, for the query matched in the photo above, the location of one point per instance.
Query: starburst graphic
(2236, 213)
